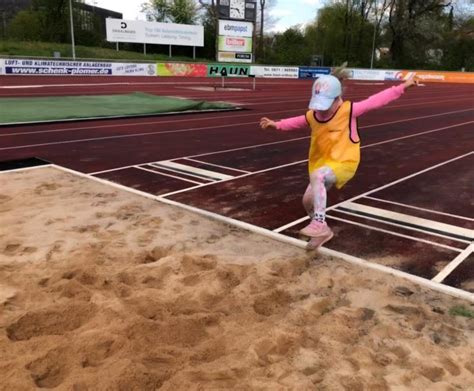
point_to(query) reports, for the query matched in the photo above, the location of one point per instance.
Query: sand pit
(104, 290)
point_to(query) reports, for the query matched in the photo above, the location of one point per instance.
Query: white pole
(144, 49)
(170, 54)
(72, 31)
(117, 46)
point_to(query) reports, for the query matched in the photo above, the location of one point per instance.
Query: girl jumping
(334, 152)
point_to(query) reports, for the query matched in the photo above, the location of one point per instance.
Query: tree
(289, 48)
(264, 22)
(413, 24)
(171, 11)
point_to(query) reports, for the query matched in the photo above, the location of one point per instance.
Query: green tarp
(20, 110)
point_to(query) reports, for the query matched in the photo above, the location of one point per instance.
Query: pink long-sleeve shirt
(358, 108)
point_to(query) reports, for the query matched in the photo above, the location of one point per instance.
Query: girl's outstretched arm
(382, 98)
(293, 123)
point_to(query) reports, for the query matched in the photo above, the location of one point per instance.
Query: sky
(287, 12)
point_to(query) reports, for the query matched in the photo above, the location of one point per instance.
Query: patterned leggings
(315, 196)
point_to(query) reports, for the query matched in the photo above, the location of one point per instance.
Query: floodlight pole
(72, 31)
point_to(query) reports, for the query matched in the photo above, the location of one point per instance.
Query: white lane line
(421, 209)
(414, 118)
(124, 136)
(416, 134)
(215, 165)
(292, 140)
(158, 168)
(239, 177)
(388, 107)
(329, 216)
(212, 153)
(168, 175)
(192, 170)
(202, 128)
(418, 221)
(441, 276)
(300, 220)
(380, 220)
(213, 118)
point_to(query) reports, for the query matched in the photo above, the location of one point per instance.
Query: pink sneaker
(319, 233)
(315, 229)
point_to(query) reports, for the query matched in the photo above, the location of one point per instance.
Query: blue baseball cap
(325, 90)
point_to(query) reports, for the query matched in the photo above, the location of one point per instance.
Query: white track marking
(416, 134)
(216, 165)
(414, 118)
(441, 276)
(124, 136)
(374, 218)
(286, 239)
(227, 180)
(190, 170)
(214, 118)
(418, 208)
(282, 142)
(164, 174)
(404, 218)
(329, 216)
(388, 107)
(158, 169)
(212, 153)
(300, 220)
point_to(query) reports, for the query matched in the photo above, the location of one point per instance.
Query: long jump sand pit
(102, 289)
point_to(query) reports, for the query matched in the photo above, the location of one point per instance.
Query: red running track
(428, 126)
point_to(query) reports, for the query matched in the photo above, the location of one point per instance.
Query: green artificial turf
(20, 110)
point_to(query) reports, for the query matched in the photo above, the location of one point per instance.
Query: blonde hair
(341, 73)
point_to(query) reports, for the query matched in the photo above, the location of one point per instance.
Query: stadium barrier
(272, 72)
(97, 68)
(441, 77)
(74, 68)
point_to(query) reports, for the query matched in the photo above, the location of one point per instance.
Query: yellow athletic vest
(331, 144)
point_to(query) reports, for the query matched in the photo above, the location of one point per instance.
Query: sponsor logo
(235, 41)
(237, 29)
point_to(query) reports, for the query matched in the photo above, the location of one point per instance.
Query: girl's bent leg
(308, 201)
(321, 181)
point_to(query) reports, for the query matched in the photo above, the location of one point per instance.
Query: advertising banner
(313, 72)
(232, 28)
(275, 72)
(119, 30)
(393, 75)
(47, 67)
(234, 57)
(366, 74)
(440, 77)
(120, 69)
(78, 68)
(181, 69)
(218, 70)
(235, 44)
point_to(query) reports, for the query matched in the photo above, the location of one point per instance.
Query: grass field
(46, 49)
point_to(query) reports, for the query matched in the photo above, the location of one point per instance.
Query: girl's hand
(266, 123)
(410, 82)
